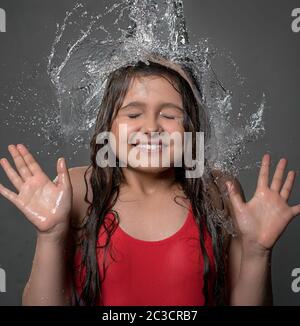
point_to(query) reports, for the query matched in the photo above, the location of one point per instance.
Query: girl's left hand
(262, 220)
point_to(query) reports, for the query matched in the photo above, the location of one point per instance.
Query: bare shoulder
(219, 180)
(219, 195)
(77, 173)
(80, 180)
(232, 245)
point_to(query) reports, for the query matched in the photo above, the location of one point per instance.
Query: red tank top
(150, 273)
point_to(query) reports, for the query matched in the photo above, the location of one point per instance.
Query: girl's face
(151, 105)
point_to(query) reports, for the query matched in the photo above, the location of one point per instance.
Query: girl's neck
(148, 183)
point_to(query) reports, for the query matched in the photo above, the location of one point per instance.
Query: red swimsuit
(150, 273)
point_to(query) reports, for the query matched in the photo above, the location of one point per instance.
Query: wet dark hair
(105, 183)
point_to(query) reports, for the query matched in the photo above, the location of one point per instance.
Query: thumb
(63, 173)
(234, 195)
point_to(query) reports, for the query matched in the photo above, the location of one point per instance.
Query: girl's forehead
(154, 84)
(180, 70)
(153, 78)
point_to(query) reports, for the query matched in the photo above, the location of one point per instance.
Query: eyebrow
(161, 106)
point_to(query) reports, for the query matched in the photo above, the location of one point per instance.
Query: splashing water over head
(155, 32)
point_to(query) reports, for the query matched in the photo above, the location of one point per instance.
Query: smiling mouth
(150, 147)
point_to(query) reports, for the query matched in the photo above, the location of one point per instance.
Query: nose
(151, 124)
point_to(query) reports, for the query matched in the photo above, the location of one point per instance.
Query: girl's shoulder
(79, 176)
(218, 190)
(220, 199)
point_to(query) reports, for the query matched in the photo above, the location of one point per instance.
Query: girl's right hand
(45, 203)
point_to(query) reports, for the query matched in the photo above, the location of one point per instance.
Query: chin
(150, 169)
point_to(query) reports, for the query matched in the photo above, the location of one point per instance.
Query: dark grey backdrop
(259, 36)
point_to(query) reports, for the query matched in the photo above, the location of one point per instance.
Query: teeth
(149, 147)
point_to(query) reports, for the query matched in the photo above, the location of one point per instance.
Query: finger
(295, 210)
(263, 178)
(234, 195)
(278, 175)
(8, 194)
(19, 162)
(55, 180)
(12, 175)
(288, 185)
(63, 173)
(32, 164)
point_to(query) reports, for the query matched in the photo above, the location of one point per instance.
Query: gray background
(257, 33)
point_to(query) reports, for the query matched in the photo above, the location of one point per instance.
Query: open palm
(45, 203)
(262, 220)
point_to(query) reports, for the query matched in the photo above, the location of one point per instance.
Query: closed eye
(133, 116)
(168, 117)
(171, 113)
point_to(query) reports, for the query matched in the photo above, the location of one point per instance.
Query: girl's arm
(253, 285)
(50, 272)
(240, 274)
(260, 222)
(248, 275)
(48, 283)
(47, 205)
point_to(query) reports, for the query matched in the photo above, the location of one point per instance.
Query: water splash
(88, 47)
(80, 76)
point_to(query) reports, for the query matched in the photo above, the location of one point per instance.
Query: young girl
(141, 235)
